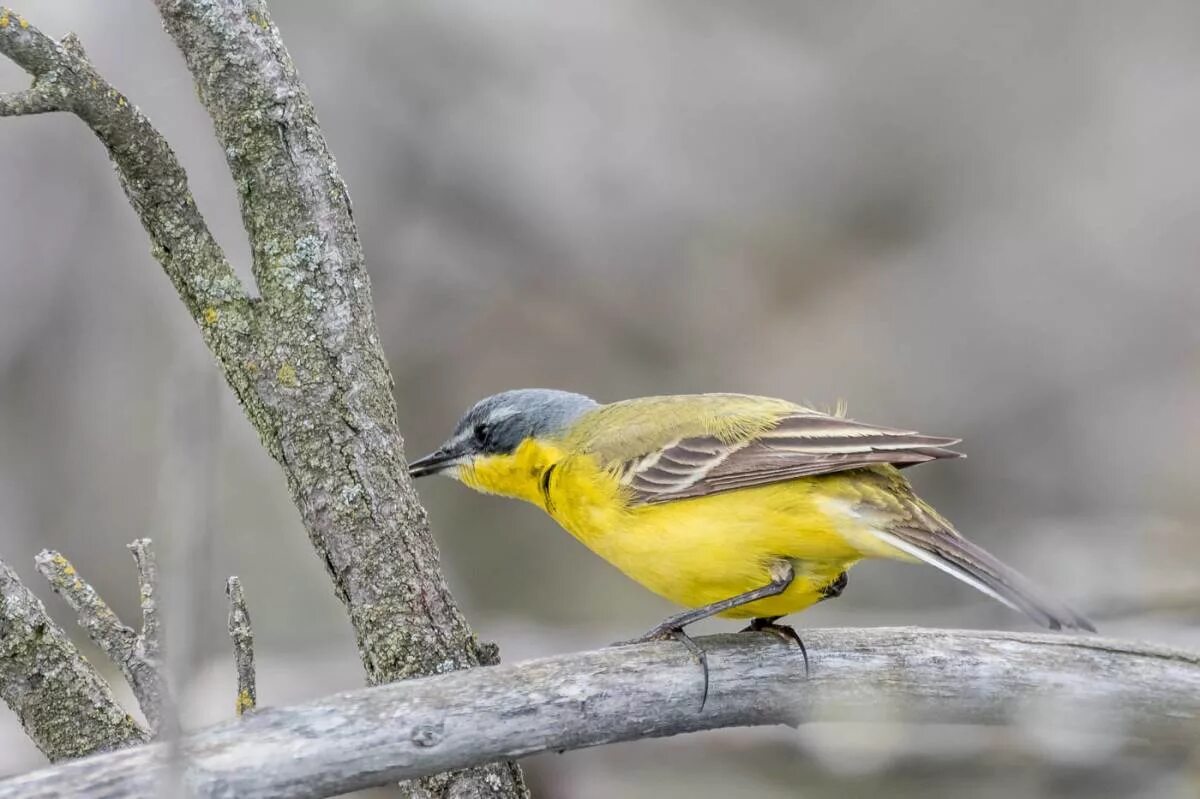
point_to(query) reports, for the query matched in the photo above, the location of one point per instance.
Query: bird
(728, 505)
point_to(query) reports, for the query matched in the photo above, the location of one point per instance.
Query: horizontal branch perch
(400, 731)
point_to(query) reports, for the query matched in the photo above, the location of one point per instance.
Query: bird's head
(497, 425)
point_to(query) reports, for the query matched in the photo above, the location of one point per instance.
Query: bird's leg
(671, 628)
(834, 589)
(787, 632)
(779, 583)
(784, 631)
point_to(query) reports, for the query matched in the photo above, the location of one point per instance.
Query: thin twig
(147, 568)
(93, 613)
(1122, 697)
(66, 708)
(34, 100)
(149, 680)
(136, 655)
(243, 646)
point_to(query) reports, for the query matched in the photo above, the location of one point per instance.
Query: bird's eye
(480, 433)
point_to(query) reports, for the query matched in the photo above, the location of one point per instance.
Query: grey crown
(497, 424)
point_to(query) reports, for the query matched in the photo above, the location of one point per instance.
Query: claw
(782, 575)
(664, 633)
(784, 632)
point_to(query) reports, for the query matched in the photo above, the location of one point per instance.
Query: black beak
(432, 463)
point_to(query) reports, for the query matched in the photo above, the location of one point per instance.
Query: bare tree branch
(150, 174)
(66, 708)
(243, 646)
(325, 377)
(306, 361)
(1112, 690)
(136, 654)
(319, 372)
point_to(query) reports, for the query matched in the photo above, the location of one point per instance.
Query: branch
(65, 707)
(153, 180)
(305, 362)
(150, 641)
(34, 100)
(374, 736)
(323, 402)
(137, 655)
(243, 646)
(324, 377)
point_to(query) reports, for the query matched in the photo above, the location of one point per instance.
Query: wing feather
(945, 549)
(717, 443)
(802, 443)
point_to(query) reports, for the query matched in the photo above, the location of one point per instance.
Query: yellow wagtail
(727, 504)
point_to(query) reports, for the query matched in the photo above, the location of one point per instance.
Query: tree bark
(1116, 695)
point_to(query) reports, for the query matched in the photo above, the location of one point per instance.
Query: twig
(150, 640)
(66, 708)
(243, 646)
(137, 655)
(148, 595)
(150, 684)
(1120, 695)
(34, 100)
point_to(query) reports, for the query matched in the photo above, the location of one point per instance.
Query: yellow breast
(692, 551)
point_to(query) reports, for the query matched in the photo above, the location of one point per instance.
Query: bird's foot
(834, 589)
(784, 632)
(665, 632)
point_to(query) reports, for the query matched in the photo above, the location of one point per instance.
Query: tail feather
(977, 567)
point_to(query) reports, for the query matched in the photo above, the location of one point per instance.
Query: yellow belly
(702, 550)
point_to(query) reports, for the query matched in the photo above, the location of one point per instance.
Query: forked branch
(66, 708)
(138, 654)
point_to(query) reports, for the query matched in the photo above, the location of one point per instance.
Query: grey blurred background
(964, 218)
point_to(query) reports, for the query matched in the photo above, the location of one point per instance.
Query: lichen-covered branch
(305, 361)
(242, 635)
(34, 100)
(333, 419)
(149, 642)
(1119, 696)
(66, 708)
(328, 415)
(136, 654)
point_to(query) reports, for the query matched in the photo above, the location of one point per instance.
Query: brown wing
(800, 445)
